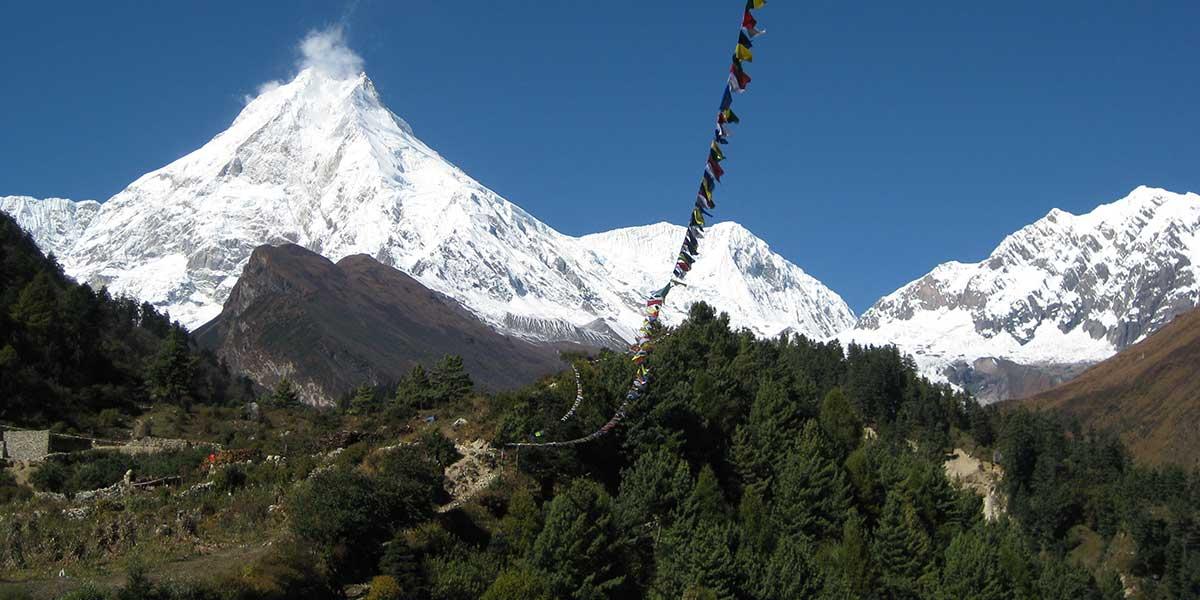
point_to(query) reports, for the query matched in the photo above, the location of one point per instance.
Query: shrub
(384, 587)
(49, 477)
(439, 447)
(229, 479)
(87, 592)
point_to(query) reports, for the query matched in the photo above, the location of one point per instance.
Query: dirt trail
(471, 474)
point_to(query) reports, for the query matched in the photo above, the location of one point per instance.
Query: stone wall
(26, 445)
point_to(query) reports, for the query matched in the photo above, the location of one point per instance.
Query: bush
(384, 587)
(229, 479)
(439, 447)
(287, 571)
(87, 592)
(49, 477)
(9, 490)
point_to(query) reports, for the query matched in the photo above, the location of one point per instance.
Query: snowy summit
(321, 162)
(1065, 289)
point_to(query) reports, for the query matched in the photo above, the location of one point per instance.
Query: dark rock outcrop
(330, 327)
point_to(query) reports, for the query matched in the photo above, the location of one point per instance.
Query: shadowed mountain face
(329, 327)
(1149, 394)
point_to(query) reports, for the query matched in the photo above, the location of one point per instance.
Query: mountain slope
(1063, 292)
(68, 353)
(737, 273)
(1149, 394)
(54, 223)
(328, 327)
(320, 162)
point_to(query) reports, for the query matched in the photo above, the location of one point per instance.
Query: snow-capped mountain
(1066, 290)
(320, 162)
(55, 223)
(736, 271)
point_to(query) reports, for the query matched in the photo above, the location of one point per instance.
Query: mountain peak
(1065, 289)
(320, 162)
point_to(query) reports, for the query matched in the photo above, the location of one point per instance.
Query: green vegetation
(751, 469)
(69, 353)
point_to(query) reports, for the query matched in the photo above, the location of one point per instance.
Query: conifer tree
(901, 548)
(363, 401)
(972, 568)
(766, 437)
(812, 496)
(285, 395)
(840, 422)
(450, 379)
(169, 374)
(854, 557)
(36, 305)
(415, 389)
(579, 548)
(695, 555)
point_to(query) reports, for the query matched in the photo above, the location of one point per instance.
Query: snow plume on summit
(325, 51)
(320, 162)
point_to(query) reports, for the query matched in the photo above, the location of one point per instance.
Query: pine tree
(765, 438)
(579, 547)
(520, 526)
(694, 555)
(415, 389)
(972, 568)
(812, 496)
(854, 557)
(363, 401)
(285, 395)
(450, 380)
(901, 548)
(169, 374)
(840, 422)
(36, 305)
(706, 502)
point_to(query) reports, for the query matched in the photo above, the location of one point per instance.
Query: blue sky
(878, 138)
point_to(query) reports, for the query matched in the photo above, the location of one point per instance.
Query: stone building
(26, 445)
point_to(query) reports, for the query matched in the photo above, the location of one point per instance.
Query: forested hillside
(751, 469)
(68, 352)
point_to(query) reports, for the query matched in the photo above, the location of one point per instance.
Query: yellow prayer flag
(743, 53)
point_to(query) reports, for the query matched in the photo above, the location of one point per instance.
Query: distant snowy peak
(321, 162)
(54, 223)
(736, 272)
(1065, 289)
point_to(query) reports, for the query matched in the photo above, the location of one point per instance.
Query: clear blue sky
(878, 139)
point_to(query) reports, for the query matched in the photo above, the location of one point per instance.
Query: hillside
(746, 471)
(1149, 394)
(330, 327)
(68, 352)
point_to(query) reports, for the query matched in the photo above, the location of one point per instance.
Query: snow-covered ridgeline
(1065, 289)
(321, 162)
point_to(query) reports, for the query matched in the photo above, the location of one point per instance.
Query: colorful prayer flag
(716, 169)
(714, 152)
(748, 21)
(741, 52)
